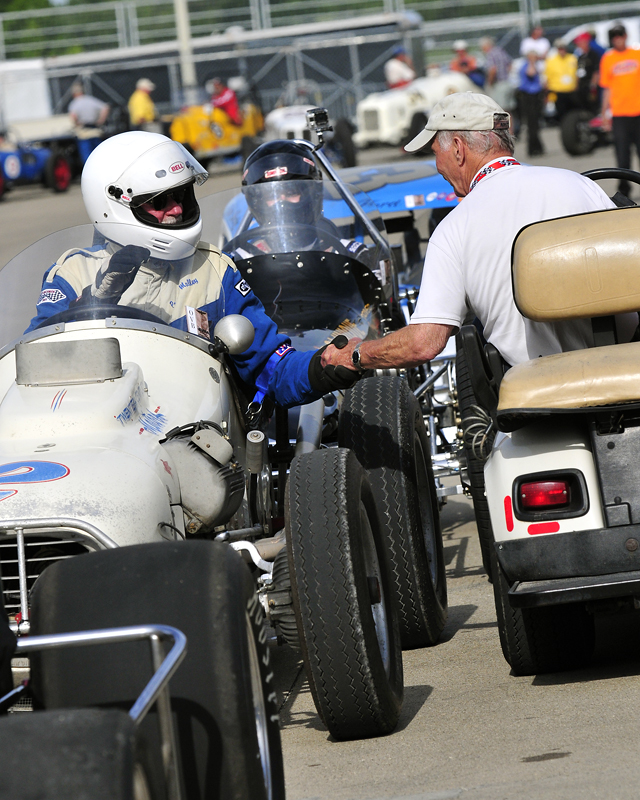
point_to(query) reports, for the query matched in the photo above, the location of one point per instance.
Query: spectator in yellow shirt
(561, 76)
(142, 110)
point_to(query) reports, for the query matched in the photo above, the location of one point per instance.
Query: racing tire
(539, 640)
(58, 172)
(84, 754)
(475, 466)
(3, 185)
(577, 138)
(418, 124)
(342, 142)
(223, 700)
(248, 145)
(343, 595)
(381, 421)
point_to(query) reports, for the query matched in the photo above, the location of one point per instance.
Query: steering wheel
(615, 173)
(81, 313)
(322, 239)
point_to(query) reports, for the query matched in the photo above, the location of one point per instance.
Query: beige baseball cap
(145, 84)
(462, 111)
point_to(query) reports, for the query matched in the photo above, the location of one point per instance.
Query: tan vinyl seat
(571, 268)
(601, 376)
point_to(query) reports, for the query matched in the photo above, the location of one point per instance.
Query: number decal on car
(21, 472)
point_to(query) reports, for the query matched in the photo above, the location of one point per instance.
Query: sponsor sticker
(197, 322)
(177, 166)
(277, 172)
(243, 287)
(12, 167)
(50, 296)
(413, 200)
(283, 350)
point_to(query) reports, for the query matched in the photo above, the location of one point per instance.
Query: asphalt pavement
(469, 729)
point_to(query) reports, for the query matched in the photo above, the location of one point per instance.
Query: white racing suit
(208, 282)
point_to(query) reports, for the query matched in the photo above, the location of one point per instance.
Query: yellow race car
(209, 133)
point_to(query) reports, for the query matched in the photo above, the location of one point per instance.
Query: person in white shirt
(398, 70)
(535, 41)
(467, 269)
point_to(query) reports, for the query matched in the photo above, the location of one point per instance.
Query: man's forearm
(407, 347)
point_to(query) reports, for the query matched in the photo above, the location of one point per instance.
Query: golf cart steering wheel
(322, 239)
(613, 173)
(81, 313)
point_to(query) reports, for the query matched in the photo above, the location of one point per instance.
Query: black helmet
(280, 160)
(276, 161)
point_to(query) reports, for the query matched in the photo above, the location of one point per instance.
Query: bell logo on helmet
(178, 166)
(276, 173)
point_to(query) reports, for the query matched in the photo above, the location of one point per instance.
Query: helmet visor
(163, 167)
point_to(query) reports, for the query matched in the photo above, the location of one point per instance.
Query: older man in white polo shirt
(467, 267)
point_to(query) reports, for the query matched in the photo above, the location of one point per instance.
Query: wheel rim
(426, 511)
(61, 173)
(375, 582)
(259, 710)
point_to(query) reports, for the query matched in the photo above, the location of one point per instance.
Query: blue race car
(33, 163)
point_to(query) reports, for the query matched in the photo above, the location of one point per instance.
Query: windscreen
(188, 285)
(309, 252)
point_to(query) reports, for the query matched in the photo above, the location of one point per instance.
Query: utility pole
(187, 67)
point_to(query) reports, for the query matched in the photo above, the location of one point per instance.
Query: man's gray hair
(481, 142)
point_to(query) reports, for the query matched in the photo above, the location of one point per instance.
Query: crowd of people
(547, 80)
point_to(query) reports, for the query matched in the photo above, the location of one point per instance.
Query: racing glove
(116, 276)
(330, 379)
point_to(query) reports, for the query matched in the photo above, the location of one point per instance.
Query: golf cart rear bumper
(572, 567)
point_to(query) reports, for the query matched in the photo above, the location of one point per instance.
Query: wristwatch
(355, 358)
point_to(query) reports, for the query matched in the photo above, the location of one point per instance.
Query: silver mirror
(235, 332)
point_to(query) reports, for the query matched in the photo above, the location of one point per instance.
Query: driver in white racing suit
(138, 189)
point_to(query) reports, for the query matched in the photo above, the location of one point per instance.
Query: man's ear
(459, 150)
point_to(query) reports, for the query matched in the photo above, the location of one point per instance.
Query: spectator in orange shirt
(466, 63)
(463, 62)
(620, 82)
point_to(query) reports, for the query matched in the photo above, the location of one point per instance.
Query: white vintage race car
(397, 115)
(133, 445)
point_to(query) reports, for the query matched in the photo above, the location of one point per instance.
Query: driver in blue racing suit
(283, 189)
(138, 189)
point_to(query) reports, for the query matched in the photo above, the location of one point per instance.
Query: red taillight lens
(545, 494)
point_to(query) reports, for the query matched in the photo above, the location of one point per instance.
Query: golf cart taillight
(540, 495)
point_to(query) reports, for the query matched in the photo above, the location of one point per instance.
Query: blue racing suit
(208, 282)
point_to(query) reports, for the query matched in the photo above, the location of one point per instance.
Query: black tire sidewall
(381, 421)
(199, 587)
(475, 467)
(331, 597)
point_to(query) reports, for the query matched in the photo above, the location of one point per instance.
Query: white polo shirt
(467, 266)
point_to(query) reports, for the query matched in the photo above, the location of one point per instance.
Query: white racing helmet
(131, 169)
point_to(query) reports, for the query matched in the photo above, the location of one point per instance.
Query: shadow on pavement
(414, 698)
(617, 653)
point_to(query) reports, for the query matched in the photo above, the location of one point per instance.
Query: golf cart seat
(585, 266)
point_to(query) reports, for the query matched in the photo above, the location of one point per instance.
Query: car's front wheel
(343, 595)
(223, 699)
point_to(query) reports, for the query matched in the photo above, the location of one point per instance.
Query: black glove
(330, 379)
(113, 280)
